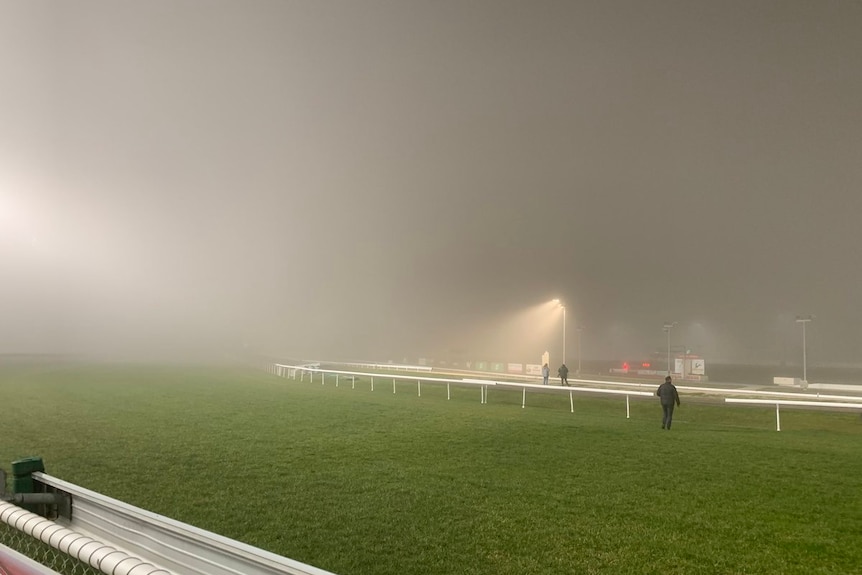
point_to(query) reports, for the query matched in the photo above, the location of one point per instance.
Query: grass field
(358, 483)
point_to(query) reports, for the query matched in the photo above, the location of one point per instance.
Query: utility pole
(804, 319)
(564, 334)
(562, 306)
(667, 327)
(580, 331)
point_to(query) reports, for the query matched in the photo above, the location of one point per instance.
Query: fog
(387, 180)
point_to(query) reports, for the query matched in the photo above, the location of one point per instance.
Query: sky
(389, 180)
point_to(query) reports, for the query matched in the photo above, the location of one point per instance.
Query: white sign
(785, 381)
(678, 365)
(516, 368)
(698, 367)
(534, 369)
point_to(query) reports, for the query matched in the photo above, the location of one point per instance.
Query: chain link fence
(43, 553)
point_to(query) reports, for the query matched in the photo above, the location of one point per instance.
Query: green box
(22, 470)
(27, 466)
(22, 484)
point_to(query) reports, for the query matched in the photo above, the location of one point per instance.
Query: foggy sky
(378, 180)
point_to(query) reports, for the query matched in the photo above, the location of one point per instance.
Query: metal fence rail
(779, 402)
(175, 546)
(105, 557)
(290, 371)
(93, 533)
(806, 400)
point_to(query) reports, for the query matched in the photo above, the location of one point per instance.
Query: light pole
(580, 330)
(667, 327)
(803, 319)
(557, 301)
(564, 332)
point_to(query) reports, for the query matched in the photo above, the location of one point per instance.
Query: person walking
(564, 374)
(546, 373)
(669, 396)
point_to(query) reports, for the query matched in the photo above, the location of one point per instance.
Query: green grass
(357, 482)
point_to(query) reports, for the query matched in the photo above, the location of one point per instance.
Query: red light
(645, 364)
(626, 365)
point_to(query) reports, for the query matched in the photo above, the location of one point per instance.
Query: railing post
(777, 419)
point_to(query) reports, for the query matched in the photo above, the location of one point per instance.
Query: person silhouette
(564, 374)
(669, 396)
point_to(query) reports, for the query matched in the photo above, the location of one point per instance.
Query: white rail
(848, 402)
(780, 402)
(176, 546)
(725, 391)
(395, 366)
(106, 557)
(284, 370)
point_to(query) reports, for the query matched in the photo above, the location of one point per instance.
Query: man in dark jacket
(669, 396)
(564, 374)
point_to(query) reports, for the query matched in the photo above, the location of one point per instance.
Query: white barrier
(283, 370)
(173, 545)
(92, 551)
(727, 391)
(780, 402)
(836, 386)
(395, 366)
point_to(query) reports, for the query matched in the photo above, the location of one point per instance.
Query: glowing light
(17, 219)
(11, 215)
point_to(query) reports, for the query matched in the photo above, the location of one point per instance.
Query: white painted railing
(725, 390)
(108, 531)
(395, 366)
(106, 557)
(780, 402)
(290, 371)
(805, 399)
